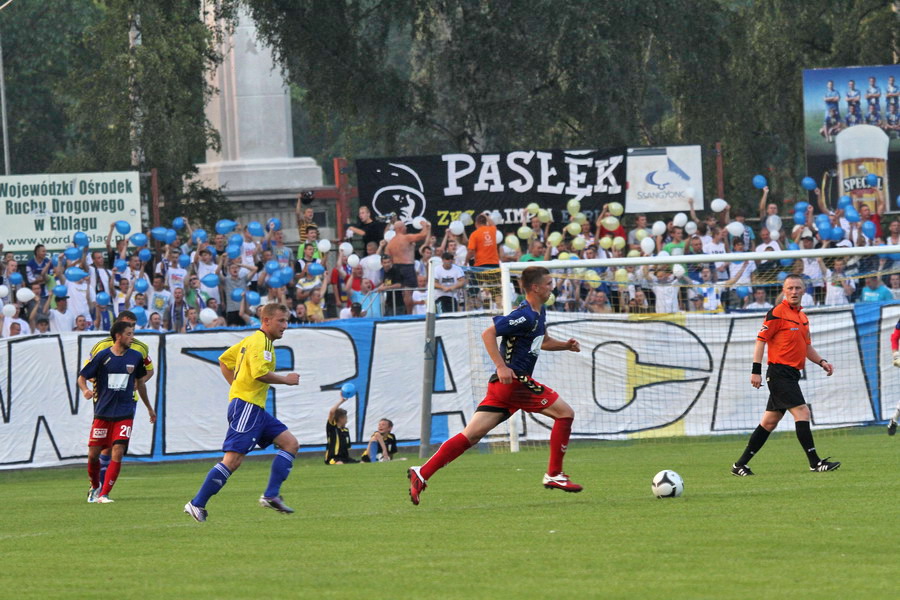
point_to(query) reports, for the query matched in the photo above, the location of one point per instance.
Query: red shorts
(107, 433)
(524, 393)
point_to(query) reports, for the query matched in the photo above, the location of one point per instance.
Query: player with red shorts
(116, 371)
(512, 388)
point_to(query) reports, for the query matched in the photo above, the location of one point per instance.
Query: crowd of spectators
(380, 268)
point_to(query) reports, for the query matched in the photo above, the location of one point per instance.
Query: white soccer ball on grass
(667, 484)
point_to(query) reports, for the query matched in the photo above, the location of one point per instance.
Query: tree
(138, 100)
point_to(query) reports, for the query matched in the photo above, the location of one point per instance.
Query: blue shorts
(250, 426)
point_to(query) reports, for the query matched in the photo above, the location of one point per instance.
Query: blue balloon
(759, 182)
(851, 214)
(54, 260)
(138, 240)
(286, 274)
(178, 223)
(844, 202)
(225, 226)
(16, 278)
(801, 206)
(60, 291)
(252, 298)
(123, 227)
(799, 218)
(837, 234)
(235, 240)
(255, 229)
(145, 255)
(825, 232)
(808, 183)
(872, 180)
(158, 234)
(237, 294)
(213, 251)
(782, 276)
(141, 285)
(233, 251)
(272, 266)
(184, 260)
(73, 274)
(348, 390)
(274, 224)
(120, 265)
(171, 236)
(140, 315)
(72, 253)
(868, 229)
(894, 257)
(274, 281)
(211, 280)
(822, 220)
(315, 269)
(103, 299)
(81, 239)
(743, 291)
(786, 262)
(200, 235)
(793, 246)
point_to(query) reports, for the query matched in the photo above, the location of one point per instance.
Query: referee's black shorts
(784, 388)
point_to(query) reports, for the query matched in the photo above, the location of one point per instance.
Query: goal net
(667, 341)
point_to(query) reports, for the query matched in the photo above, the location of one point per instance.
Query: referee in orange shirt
(786, 332)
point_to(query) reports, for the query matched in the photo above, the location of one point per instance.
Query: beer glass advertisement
(852, 131)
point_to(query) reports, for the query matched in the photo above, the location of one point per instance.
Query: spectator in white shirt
(759, 300)
(62, 318)
(838, 287)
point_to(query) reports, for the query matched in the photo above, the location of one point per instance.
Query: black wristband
(757, 369)
(822, 361)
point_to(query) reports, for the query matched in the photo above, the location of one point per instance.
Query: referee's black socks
(757, 439)
(804, 434)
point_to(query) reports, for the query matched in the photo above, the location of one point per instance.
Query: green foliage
(485, 528)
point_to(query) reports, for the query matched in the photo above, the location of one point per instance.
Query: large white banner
(674, 375)
(662, 179)
(47, 209)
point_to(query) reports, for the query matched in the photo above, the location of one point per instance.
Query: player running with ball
(511, 388)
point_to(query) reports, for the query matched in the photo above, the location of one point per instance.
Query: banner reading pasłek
(440, 187)
(48, 209)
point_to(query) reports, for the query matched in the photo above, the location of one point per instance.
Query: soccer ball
(667, 484)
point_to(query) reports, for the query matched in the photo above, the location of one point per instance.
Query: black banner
(440, 187)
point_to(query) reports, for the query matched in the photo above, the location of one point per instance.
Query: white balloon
(9, 310)
(718, 205)
(544, 215)
(418, 222)
(456, 227)
(690, 228)
(465, 218)
(616, 209)
(389, 235)
(4, 291)
(371, 262)
(680, 220)
(24, 295)
(775, 235)
(678, 271)
(352, 260)
(773, 223)
(735, 228)
(573, 206)
(663, 253)
(511, 242)
(207, 316)
(648, 245)
(346, 248)
(496, 217)
(435, 261)
(499, 237)
(554, 239)
(324, 246)
(659, 228)
(689, 192)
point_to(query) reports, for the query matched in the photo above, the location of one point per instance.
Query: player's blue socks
(281, 468)
(215, 481)
(104, 463)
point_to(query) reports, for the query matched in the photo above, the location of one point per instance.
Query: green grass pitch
(486, 528)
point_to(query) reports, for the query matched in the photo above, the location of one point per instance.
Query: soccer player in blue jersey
(853, 116)
(892, 121)
(832, 125)
(832, 99)
(853, 97)
(891, 94)
(873, 96)
(512, 388)
(116, 369)
(249, 367)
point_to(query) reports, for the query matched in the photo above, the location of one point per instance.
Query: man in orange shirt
(786, 332)
(483, 248)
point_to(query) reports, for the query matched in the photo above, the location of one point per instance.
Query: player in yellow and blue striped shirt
(249, 367)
